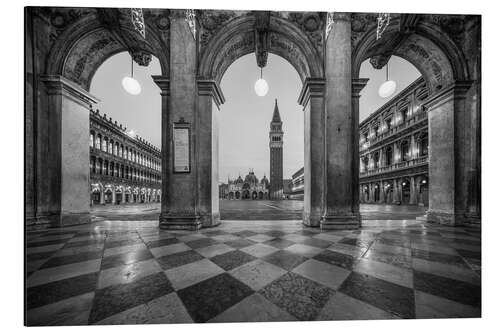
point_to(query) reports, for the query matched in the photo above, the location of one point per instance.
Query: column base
(57, 220)
(445, 218)
(210, 220)
(340, 222)
(173, 221)
(311, 220)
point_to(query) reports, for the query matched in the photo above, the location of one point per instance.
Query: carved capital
(211, 88)
(163, 82)
(357, 86)
(312, 87)
(456, 91)
(58, 85)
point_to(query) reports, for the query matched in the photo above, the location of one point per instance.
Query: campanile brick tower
(276, 155)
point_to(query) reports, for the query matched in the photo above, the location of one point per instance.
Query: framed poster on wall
(182, 147)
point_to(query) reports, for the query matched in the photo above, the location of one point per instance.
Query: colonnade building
(393, 149)
(124, 168)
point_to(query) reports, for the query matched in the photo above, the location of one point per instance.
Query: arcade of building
(123, 167)
(65, 47)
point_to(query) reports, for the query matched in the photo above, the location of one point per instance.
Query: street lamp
(261, 87)
(130, 84)
(387, 88)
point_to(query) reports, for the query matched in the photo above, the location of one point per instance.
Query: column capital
(211, 88)
(312, 87)
(59, 85)
(457, 91)
(358, 85)
(163, 82)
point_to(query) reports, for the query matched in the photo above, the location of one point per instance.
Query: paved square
(128, 272)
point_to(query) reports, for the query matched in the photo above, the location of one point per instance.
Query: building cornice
(392, 101)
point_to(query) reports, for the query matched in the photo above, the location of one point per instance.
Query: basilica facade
(249, 188)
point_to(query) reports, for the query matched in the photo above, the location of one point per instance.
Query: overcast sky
(244, 117)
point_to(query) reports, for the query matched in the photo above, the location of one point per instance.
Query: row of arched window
(389, 154)
(110, 168)
(115, 148)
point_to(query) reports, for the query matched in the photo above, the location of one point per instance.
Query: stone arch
(428, 48)
(86, 44)
(236, 39)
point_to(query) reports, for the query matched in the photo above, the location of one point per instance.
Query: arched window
(388, 156)
(98, 142)
(110, 147)
(423, 145)
(105, 145)
(375, 160)
(115, 149)
(405, 150)
(388, 123)
(91, 142)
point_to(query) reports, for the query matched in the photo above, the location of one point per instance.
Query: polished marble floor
(128, 272)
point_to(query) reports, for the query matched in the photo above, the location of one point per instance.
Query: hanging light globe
(387, 89)
(131, 85)
(261, 87)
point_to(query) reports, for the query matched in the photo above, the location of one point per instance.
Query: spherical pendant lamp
(261, 87)
(131, 85)
(387, 88)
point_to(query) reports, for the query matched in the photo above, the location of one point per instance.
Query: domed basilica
(249, 188)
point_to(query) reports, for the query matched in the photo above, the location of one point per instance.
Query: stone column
(395, 194)
(113, 196)
(449, 155)
(62, 136)
(341, 132)
(210, 97)
(382, 192)
(312, 99)
(413, 196)
(180, 189)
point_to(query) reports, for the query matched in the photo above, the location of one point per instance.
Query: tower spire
(276, 113)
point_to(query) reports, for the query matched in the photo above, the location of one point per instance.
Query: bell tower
(276, 155)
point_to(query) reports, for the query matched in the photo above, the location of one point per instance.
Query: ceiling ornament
(383, 21)
(191, 21)
(138, 21)
(329, 24)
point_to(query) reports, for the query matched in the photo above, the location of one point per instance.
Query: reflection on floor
(132, 272)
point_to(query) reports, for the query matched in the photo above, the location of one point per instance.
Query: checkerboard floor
(132, 272)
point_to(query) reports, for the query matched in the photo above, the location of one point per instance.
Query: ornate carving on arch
(237, 38)
(311, 23)
(429, 59)
(211, 21)
(237, 47)
(88, 54)
(360, 24)
(60, 18)
(288, 50)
